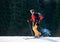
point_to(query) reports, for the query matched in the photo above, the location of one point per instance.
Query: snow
(28, 39)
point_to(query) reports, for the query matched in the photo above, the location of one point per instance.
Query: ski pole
(30, 27)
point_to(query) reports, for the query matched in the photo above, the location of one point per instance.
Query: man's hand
(27, 20)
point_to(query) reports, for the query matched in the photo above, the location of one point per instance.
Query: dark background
(14, 13)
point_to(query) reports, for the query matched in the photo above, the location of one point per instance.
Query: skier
(35, 19)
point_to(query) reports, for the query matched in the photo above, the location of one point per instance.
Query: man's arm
(32, 18)
(41, 17)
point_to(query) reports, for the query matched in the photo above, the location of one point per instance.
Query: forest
(15, 13)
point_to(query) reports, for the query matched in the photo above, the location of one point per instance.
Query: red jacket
(33, 18)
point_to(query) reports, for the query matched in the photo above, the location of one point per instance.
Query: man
(35, 19)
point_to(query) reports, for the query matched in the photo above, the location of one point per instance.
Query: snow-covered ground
(28, 39)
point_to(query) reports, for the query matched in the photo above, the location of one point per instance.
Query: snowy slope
(28, 39)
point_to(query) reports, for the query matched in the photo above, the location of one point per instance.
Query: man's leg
(35, 30)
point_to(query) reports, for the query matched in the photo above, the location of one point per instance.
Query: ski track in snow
(28, 39)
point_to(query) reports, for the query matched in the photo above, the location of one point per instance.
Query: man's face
(32, 12)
